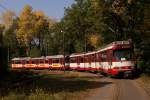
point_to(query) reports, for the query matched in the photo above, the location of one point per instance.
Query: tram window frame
(46, 61)
(81, 59)
(93, 58)
(50, 61)
(104, 56)
(110, 56)
(17, 62)
(12, 62)
(78, 60)
(89, 58)
(67, 59)
(56, 60)
(86, 59)
(34, 62)
(97, 57)
(23, 62)
(27, 62)
(73, 59)
(61, 60)
(41, 61)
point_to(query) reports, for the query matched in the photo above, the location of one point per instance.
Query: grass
(48, 85)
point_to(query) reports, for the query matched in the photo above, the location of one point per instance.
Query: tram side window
(104, 56)
(97, 57)
(86, 59)
(27, 62)
(50, 61)
(34, 62)
(55, 60)
(73, 60)
(46, 61)
(82, 59)
(93, 57)
(61, 60)
(17, 62)
(23, 61)
(110, 56)
(67, 59)
(12, 62)
(41, 61)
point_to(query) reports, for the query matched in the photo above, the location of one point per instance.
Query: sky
(52, 8)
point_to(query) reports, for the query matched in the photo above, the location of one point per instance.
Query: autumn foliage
(86, 26)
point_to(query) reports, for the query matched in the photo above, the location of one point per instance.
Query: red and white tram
(18, 63)
(39, 63)
(84, 61)
(56, 61)
(116, 58)
(113, 59)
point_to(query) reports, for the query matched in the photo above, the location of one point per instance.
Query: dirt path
(104, 92)
(129, 90)
(119, 89)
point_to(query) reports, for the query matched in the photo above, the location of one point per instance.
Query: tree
(7, 18)
(3, 53)
(83, 19)
(25, 28)
(43, 27)
(10, 40)
(143, 29)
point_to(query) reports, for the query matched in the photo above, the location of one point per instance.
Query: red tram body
(113, 59)
(117, 58)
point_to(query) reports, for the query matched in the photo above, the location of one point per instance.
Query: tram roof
(55, 56)
(39, 58)
(77, 54)
(82, 54)
(21, 58)
(111, 45)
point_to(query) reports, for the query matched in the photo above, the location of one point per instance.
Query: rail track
(117, 89)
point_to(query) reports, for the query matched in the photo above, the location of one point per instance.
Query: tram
(114, 59)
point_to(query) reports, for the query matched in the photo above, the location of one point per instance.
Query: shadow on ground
(28, 83)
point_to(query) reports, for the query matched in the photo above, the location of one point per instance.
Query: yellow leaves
(26, 12)
(95, 5)
(39, 23)
(131, 1)
(26, 26)
(7, 18)
(32, 25)
(118, 7)
(52, 22)
(93, 39)
(41, 19)
(39, 14)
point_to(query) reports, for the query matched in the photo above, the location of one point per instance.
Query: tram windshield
(122, 54)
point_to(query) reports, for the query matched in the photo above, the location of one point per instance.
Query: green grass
(62, 86)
